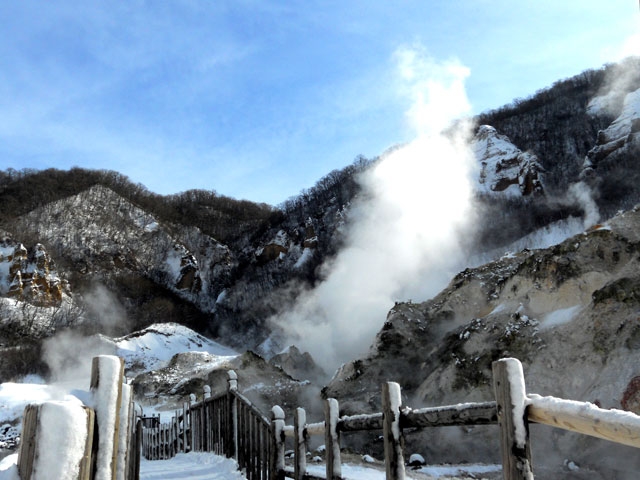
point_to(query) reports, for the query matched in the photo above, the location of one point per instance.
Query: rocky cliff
(569, 313)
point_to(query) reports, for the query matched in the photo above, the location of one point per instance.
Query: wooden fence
(229, 424)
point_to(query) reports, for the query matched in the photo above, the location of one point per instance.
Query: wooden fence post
(511, 398)
(136, 464)
(232, 388)
(107, 376)
(393, 440)
(192, 423)
(124, 432)
(277, 456)
(299, 421)
(185, 427)
(332, 439)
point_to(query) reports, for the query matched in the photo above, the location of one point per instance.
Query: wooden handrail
(586, 418)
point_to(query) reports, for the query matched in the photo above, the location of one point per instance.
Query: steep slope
(569, 313)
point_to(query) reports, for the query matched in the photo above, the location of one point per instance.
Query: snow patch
(307, 253)
(560, 317)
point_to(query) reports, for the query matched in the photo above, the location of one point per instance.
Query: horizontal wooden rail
(355, 423)
(582, 417)
(462, 414)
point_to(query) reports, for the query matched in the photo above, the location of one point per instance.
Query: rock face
(504, 167)
(29, 275)
(297, 364)
(569, 313)
(615, 143)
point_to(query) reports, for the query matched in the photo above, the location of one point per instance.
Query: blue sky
(258, 99)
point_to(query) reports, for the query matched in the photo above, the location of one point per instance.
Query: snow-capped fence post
(185, 427)
(107, 375)
(511, 399)
(124, 432)
(300, 443)
(57, 441)
(391, 431)
(192, 423)
(206, 419)
(277, 456)
(232, 388)
(332, 439)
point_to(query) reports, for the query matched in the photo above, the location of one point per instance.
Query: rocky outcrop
(618, 140)
(298, 364)
(504, 167)
(29, 276)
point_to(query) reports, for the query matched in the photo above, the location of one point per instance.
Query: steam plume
(404, 239)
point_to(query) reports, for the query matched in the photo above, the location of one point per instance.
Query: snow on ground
(207, 466)
(8, 469)
(201, 466)
(194, 466)
(359, 472)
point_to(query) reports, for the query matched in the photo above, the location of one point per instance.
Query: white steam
(581, 194)
(404, 239)
(68, 355)
(105, 311)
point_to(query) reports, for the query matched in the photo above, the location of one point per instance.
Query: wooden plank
(485, 413)
(299, 446)
(136, 466)
(391, 431)
(332, 439)
(232, 425)
(123, 431)
(242, 436)
(185, 427)
(277, 455)
(28, 442)
(583, 417)
(86, 466)
(508, 381)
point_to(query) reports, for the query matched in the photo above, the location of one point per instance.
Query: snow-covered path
(201, 466)
(207, 466)
(194, 466)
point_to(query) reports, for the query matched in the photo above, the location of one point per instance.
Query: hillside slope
(568, 312)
